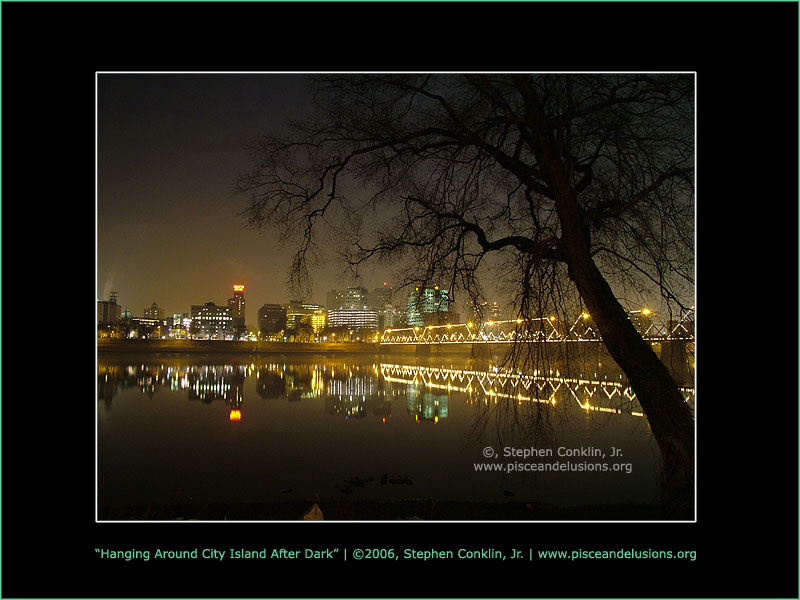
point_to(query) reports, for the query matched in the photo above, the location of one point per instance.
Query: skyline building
(210, 320)
(380, 297)
(353, 318)
(108, 311)
(334, 299)
(355, 297)
(237, 306)
(154, 312)
(271, 319)
(427, 305)
(299, 312)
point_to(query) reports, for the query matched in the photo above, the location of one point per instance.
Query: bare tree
(574, 182)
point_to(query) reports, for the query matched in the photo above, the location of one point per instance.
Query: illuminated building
(298, 313)
(427, 306)
(353, 318)
(210, 321)
(354, 297)
(145, 327)
(154, 312)
(236, 306)
(318, 320)
(389, 316)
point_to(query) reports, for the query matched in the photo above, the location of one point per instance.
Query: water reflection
(358, 390)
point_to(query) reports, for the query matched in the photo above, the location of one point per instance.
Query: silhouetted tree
(569, 180)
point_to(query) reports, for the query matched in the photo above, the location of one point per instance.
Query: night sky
(169, 149)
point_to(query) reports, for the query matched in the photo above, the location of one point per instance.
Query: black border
(745, 55)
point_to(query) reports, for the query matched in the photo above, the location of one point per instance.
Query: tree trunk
(668, 414)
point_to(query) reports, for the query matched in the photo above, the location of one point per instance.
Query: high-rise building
(380, 297)
(353, 318)
(154, 312)
(355, 297)
(389, 316)
(335, 299)
(236, 306)
(299, 312)
(271, 319)
(422, 304)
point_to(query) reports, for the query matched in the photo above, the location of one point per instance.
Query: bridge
(542, 329)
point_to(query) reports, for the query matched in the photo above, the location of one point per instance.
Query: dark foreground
(425, 509)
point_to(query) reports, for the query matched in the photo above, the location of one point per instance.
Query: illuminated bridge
(544, 329)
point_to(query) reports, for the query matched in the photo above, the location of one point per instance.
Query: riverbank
(417, 509)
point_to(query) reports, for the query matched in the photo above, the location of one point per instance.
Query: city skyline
(370, 301)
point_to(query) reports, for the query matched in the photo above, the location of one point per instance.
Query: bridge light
(469, 324)
(552, 318)
(585, 315)
(519, 320)
(490, 322)
(646, 311)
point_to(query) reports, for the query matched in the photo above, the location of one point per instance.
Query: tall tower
(236, 306)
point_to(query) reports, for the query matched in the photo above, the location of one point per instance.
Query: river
(176, 430)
